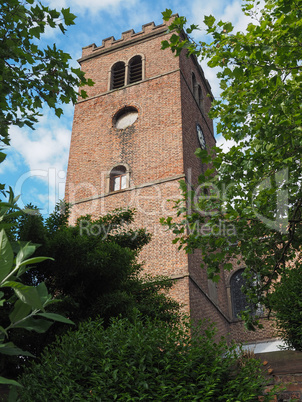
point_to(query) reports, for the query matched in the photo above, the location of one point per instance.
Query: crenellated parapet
(109, 43)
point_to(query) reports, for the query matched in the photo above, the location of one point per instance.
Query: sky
(36, 161)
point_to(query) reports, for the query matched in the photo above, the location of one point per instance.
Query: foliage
(288, 307)
(26, 304)
(32, 75)
(94, 272)
(96, 267)
(253, 211)
(142, 360)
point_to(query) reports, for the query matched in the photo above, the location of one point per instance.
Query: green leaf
(6, 256)
(45, 297)
(20, 311)
(27, 294)
(59, 112)
(56, 317)
(25, 251)
(167, 14)
(11, 350)
(68, 16)
(36, 31)
(2, 156)
(3, 330)
(165, 44)
(32, 324)
(9, 382)
(228, 266)
(35, 260)
(228, 27)
(209, 20)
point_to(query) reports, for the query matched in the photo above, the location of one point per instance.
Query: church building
(133, 140)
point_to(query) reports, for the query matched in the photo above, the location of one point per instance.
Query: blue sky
(36, 161)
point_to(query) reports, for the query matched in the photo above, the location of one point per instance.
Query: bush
(143, 360)
(287, 304)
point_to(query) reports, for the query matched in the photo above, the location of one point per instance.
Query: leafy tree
(94, 271)
(254, 188)
(25, 306)
(33, 230)
(143, 360)
(287, 303)
(31, 75)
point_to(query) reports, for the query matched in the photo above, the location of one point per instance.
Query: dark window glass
(200, 97)
(239, 302)
(118, 75)
(194, 87)
(135, 69)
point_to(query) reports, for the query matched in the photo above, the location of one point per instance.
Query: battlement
(149, 29)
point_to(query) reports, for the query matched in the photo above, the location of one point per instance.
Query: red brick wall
(152, 146)
(160, 256)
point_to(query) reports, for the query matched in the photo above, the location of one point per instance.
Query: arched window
(200, 98)
(194, 86)
(118, 75)
(118, 178)
(239, 299)
(135, 69)
(239, 302)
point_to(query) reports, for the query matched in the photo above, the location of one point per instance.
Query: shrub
(287, 305)
(142, 360)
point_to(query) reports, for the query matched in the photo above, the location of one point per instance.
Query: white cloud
(43, 148)
(234, 14)
(11, 162)
(44, 154)
(224, 144)
(227, 11)
(92, 6)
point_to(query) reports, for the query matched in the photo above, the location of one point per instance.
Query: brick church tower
(133, 139)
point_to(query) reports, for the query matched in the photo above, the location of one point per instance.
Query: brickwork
(157, 149)
(284, 369)
(160, 256)
(96, 146)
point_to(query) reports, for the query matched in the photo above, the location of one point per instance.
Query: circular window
(125, 117)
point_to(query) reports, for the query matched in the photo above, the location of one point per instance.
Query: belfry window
(118, 75)
(118, 178)
(239, 300)
(135, 69)
(125, 73)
